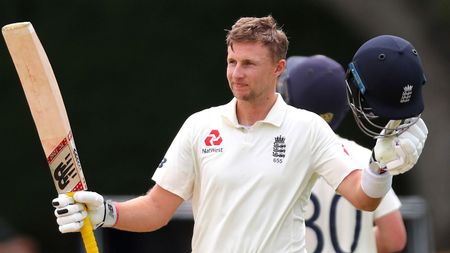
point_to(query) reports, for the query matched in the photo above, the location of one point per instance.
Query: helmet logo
(406, 95)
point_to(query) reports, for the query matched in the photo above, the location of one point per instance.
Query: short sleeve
(330, 158)
(388, 204)
(176, 171)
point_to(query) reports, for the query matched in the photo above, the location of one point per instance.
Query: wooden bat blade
(39, 83)
(49, 114)
(46, 105)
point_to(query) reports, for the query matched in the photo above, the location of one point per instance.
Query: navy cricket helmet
(317, 84)
(384, 81)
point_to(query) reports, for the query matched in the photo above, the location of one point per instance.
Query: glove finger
(417, 142)
(417, 132)
(76, 217)
(92, 199)
(69, 210)
(409, 139)
(393, 172)
(406, 157)
(395, 167)
(422, 126)
(383, 149)
(62, 200)
(420, 130)
(419, 126)
(409, 151)
(71, 227)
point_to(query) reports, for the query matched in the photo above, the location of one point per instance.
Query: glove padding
(398, 154)
(70, 212)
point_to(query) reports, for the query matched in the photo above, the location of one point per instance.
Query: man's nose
(238, 71)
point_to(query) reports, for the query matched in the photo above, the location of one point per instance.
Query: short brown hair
(264, 30)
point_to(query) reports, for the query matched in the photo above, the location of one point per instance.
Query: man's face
(251, 72)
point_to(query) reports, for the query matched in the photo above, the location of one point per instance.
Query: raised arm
(350, 188)
(149, 212)
(141, 214)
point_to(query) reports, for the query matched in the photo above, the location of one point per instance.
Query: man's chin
(245, 96)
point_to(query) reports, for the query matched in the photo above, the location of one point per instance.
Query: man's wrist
(111, 214)
(375, 185)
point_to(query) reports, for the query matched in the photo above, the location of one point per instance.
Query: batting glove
(70, 212)
(398, 154)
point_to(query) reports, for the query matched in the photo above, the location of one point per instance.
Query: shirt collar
(274, 117)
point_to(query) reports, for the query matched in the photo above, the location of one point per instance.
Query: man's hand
(398, 154)
(70, 212)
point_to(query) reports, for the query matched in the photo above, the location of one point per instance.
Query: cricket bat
(49, 114)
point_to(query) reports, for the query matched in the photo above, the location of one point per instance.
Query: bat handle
(87, 233)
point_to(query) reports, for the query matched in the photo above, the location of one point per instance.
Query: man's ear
(281, 65)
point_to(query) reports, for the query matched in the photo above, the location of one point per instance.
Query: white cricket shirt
(249, 186)
(334, 225)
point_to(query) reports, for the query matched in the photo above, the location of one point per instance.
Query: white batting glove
(398, 154)
(70, 212)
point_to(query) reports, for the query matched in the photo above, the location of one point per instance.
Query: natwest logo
(213, 139)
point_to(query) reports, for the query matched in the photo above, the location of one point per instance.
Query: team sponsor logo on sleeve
(163, 161)
(213, 142)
